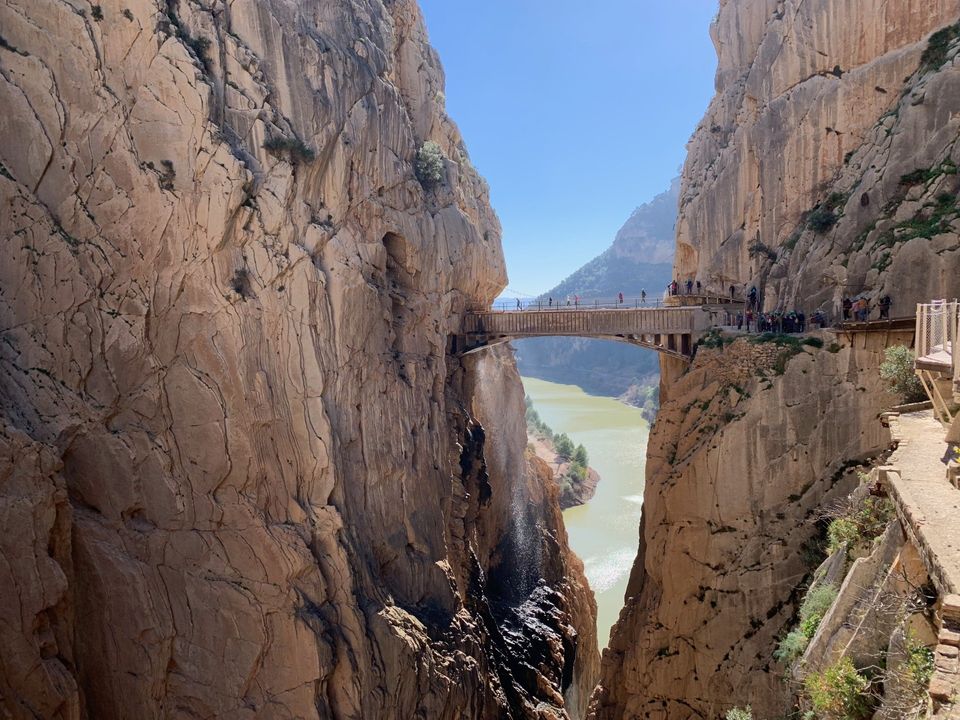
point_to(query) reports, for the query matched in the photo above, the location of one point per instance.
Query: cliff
(803, 176)
(825, 167)
(239, 474)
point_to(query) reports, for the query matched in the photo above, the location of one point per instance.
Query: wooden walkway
(667, 330)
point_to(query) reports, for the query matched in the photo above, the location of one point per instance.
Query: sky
(575, 114)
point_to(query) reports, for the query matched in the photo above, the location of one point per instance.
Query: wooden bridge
(672, 331)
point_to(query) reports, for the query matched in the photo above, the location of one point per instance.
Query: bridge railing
(541, 305)
(937, 329)
(582, 321)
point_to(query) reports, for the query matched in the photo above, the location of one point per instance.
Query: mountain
(640, 258)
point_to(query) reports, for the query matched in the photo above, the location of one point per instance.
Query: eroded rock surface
(239, 474)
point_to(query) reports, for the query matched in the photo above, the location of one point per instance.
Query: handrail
(938, 327)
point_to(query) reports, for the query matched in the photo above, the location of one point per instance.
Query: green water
(604, 532)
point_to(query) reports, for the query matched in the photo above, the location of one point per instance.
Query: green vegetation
(791, 345)
(740, 714)
(762, 249)
(96, 12)
(292, 149)
(860, 525)
(168, 175)
(429, 165)
(812, 611)
(897, 370)
(935, 55)
(714, 338)
(821, 220)
(575, 455)
(919, 664)
(840, 692)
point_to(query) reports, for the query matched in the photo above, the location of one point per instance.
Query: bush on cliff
(815, 606)
(429, 165)
(897, 370)
(740, 714)
(840, 692)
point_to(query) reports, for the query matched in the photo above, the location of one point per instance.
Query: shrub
(293, 149)
(127, 14)
(168, 175)
(759, 248)
(897, 370)
(935, 55)
(740, 714)
(821, 220)
(812, 611)
(920, 661)
(564, 446)
(815, 607)
(97, 12)
(580, 456)
(792, 647)
(429, 165)
(841, 530)
(840, 692)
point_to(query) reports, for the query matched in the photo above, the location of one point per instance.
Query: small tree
(840, 692)
(897, 370)
(564, 446)
(429, 165)
(580, 456)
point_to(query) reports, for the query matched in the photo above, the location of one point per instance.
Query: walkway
(929, 506)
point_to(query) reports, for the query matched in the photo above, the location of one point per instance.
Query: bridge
(668, 330)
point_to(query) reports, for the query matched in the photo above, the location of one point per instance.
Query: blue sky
(575, 113)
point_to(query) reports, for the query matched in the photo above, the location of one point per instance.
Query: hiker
(568, 301)
(801, 322)
(519, 306)
(576, 301)
(643, 297)
(885, 303)
(698, 287)
(620, 298)
(740, 320)
(689, 287)
(753, 296)
(847, 306)
(550, 302)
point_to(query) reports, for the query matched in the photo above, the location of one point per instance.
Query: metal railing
(583, 321)
(615, 303)
(937, 358)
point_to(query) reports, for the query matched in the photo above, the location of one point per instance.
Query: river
(604, 532)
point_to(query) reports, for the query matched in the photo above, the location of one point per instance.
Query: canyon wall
(826, 167)
(824, 106)
(240, 476)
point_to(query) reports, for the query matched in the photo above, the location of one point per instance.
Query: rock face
(239, 474)
(812, 112)
(737, 468)
(826, 166)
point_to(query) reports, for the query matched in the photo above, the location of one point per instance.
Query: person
(619, 298)
(698, 287)
(689, 287)
(732, 291)
(550, 302)
(749, 319)
(519, 306)
(568, 301)
(753, 296)
(847, 306)
(801, 322)
(674, 287)
(739, 320)
(643, 297)
(885, 303)
(576, 301)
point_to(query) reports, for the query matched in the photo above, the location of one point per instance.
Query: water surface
(604, 532)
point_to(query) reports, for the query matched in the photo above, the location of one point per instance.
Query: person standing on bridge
(620, 298)
(576, 301)
(689, 287)
(847, 306)
(643, 297)
(519, 305)
(550, 302)
(698, 287)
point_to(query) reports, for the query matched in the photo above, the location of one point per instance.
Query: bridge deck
(668, 330)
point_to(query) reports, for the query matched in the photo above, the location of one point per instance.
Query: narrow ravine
(604, 531)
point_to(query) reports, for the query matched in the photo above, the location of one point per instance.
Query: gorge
(244, 474)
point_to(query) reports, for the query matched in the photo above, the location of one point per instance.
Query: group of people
(859, 309)
(675, 287)
(777, 321)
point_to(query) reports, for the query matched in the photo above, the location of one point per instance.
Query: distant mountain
(640, 258)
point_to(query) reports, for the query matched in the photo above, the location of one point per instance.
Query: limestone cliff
(826, 109)
(826, 166)
(239, 474)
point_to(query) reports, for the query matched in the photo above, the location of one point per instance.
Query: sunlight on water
(604, 532)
